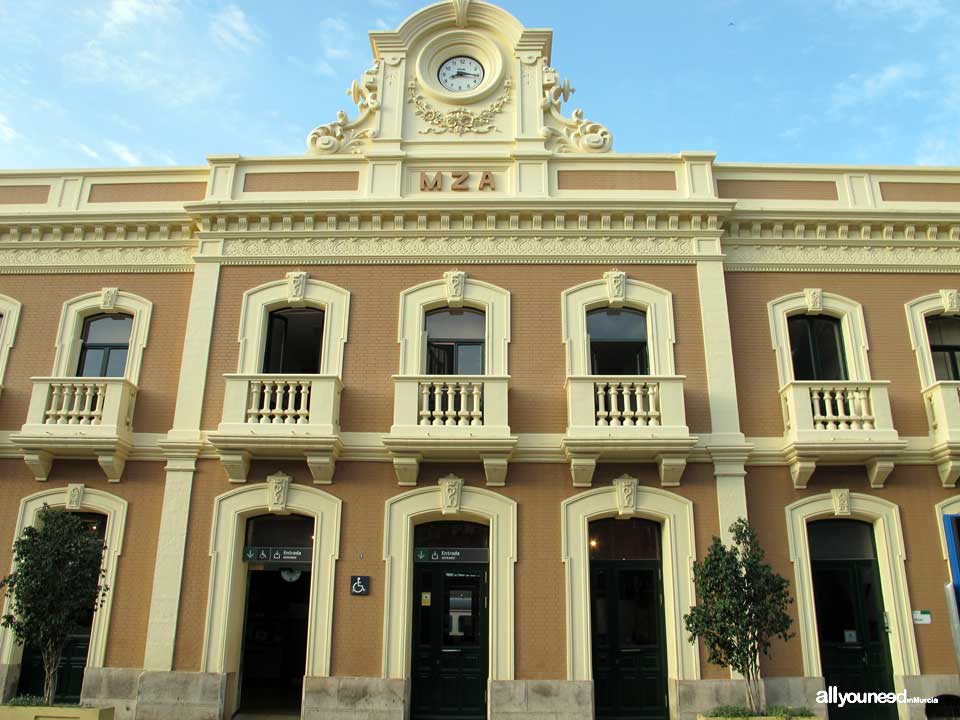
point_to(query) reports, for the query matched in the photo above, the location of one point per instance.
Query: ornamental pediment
(459, 77)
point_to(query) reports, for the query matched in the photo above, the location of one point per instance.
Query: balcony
(450, 418)
(838, 423)
(942, 402)
(626, 419)
(78, 418)
(280, 416)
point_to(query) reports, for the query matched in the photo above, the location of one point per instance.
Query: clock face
(460, 74)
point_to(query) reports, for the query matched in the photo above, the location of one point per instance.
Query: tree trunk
(753, 691)
(51, 672)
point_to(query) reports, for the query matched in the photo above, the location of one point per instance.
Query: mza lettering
(459, 181)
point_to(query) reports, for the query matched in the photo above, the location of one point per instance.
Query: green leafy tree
(56, 580)
(742, 605)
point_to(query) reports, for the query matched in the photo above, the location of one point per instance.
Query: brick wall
(537, 364)
(42, 298)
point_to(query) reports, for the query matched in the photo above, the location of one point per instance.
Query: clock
(460, 74)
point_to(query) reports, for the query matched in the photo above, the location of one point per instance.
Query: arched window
(104, 344)
(455, 341)
(816, 347)
(294, 341)
(944, 334)
(618, 341)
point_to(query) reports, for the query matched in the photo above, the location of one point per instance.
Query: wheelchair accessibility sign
(359, 584)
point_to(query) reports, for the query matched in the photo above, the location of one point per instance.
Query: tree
(55, 581)
(742, 605)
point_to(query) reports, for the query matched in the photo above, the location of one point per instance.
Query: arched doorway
(75, 652)
(278, 551)
(450, 644)
(628, 636)
(851, 621)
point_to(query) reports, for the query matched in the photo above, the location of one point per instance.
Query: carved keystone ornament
(626, 488)
(451, 487)
(278, 485)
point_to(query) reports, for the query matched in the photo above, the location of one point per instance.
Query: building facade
(433, 420)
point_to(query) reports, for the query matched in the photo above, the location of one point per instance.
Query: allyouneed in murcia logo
(833, 696)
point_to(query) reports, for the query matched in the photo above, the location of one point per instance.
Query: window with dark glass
(455, 341)
(944, 334)
(104, 343)
(618, 341)
(294, 342)
(816, 347)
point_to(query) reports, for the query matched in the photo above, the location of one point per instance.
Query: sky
(116, 83)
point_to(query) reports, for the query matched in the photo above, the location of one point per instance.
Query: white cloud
(124, 153)
(7, 133)
(124, 14)
(335, 37)
(381, 24)
(917, 12)
(388, 4)
(326, 69)
(88, 151)
(231, 28)
(859, 88)
(939, 150)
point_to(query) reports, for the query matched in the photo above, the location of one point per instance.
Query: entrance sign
(922, 617)
(278, 555)
(359, 584)
(452, 555)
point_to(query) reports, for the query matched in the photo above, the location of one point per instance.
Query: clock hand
(465, 74)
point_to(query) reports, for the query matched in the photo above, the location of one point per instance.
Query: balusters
(476, 415)
(627, 404)
(450, 404)
(278, 402)
(438, 404)
(653, 404)
(77, 403)
(842, 408)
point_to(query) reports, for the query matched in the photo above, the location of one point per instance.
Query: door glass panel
(424, 603)
(108, 329)
(599, 608)
(294, 341)
(618, 341)
(633, 539)
(841, 540)
(637, 608)
(451, 535)
(463, 617)
(816, 348)
(833, 590)
(872, 602)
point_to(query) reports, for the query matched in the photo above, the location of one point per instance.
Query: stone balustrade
(280, 416)
(838, 422)
(78, 417)
(620, 418)
(942, 403)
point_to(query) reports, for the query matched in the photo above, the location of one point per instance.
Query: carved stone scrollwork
(345, 135)
(277, 487)
(626, 494)
(451, 487)
(814, 299)
(616, 287)
(296, 286)
(108, 298)
(460, 10)
(574, 134)
(841, 502)
(458, 121)
(951, 303)
(455, 283)
(75, 496)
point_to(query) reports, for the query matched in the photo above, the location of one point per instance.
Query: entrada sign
(458, 181)
(284, 555)
(452, 555)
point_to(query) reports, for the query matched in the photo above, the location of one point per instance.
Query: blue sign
(359, 584)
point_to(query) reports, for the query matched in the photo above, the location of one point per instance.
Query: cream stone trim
(625, 498)
(9, 318)
(814, 301)
(77, 498)
(227, 596)
(427, 504)
(297, 290)
(944, 302)
(617, 290)
(107, 300)
(888, 532)
(950, 506)
(456, 289)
